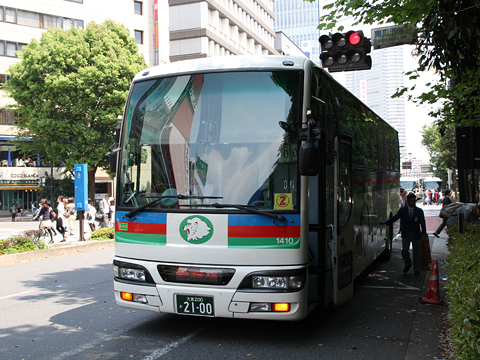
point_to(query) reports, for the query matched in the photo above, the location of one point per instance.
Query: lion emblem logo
(196, 229)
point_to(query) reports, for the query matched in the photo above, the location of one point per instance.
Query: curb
(55, 251)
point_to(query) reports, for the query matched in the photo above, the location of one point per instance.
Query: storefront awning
(20, 187)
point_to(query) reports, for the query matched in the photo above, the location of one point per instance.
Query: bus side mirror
(309, 156)
(115, 148)
(113, 153)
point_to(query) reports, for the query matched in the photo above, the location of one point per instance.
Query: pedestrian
(413, 229)
(440, 197)
(104, 209)
(446, 201)
(19, 213)
(72, 214)
(403, 194)
(112, 212)
(429, 198)
(90, 215)
(470, 214)
(45, 215)
(32, 205)
(13, 211)
(61, 219)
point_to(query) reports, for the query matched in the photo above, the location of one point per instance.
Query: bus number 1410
(285, 241)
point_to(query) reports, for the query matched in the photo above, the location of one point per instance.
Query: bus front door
(343, 241)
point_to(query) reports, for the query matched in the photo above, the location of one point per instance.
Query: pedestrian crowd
(67, 214)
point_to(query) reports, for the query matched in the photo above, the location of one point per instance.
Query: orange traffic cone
(432, 294)
(426, 254)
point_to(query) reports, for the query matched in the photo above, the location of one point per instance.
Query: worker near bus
(446, 201)
(413, 229)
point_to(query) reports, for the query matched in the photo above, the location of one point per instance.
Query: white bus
(248, 187)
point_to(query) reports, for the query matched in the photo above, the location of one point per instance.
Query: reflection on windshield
(212, 135)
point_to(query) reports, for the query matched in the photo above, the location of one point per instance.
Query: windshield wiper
(241, 207)
(160, 198)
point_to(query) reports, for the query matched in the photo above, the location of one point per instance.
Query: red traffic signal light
(345, 51)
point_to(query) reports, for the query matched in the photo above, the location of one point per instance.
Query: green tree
(441, 146)
(447, 38)
(70, 88)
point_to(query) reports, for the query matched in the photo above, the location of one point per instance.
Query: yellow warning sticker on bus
(283, 202)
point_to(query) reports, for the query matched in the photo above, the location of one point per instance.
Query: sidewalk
(424, 339)
(72, 245)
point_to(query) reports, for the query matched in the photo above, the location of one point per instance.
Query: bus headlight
(131, 272)
(283, 280)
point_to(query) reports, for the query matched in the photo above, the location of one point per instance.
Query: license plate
(195, 305)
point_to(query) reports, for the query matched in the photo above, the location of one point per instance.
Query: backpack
(448, 210)
(13, 210)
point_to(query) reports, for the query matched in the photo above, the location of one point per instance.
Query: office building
(375, 87)
(205, 28)
(298, 20)
(22, 20)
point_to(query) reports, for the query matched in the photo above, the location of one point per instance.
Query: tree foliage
(447, 38)
(70, 87)
(441, 146)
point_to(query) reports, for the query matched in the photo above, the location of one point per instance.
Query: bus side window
(317, 102)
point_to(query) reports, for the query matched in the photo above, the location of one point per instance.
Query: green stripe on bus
(264, 242)
(140, 239)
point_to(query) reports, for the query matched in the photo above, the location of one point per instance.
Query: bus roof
(224, 63)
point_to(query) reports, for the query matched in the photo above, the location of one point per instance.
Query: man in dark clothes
(413, 229)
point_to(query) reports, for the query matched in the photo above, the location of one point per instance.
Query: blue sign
(81, 187)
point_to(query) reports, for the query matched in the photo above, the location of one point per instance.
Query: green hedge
(103, 234)
(30, 240)
(463, 291)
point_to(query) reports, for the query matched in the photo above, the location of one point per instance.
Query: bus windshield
(211, 138)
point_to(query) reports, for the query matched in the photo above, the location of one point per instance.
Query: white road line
(93, 343)
(167, 348)
(20, 293)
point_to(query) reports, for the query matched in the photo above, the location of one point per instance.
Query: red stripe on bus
(141, 228)
(264, 231)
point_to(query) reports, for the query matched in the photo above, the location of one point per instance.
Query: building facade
(205, 28)
(22, 20)
(375, 87)
(299, 20)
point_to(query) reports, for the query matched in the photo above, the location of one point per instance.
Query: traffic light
(345, 51)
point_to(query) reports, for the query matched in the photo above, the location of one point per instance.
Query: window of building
(7, 117)
(28, 18)
(11, 48)
(2, 15)
(20, 47)
(2, 48)
(79, 24)
(67, 23)
(139, 36)
(11, 15)
(3, 78)
(47, 21)
(138, 7)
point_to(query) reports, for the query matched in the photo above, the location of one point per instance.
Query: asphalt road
(63, 308)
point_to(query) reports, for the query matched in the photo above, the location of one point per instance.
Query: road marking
(401, 287)
(167, 348)
(93, 343)
(20, 293)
